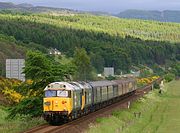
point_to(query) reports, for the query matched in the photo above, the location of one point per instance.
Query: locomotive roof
(81, 85)
(61, 85)
(86, 85)
(109, 83)
(102, 83)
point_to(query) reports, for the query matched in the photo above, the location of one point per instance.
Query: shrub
(110, 78)
(148, 80)
(28, 106)
(145, 73)
(156, 86)
(11, 95)
(169, 77)
(7, 88)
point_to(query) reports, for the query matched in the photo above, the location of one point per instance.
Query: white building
(109, 71)
(14, 68)
(54, 52)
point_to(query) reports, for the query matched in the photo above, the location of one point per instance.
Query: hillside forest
(108, 41)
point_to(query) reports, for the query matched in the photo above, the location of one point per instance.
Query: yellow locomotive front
(57, 102)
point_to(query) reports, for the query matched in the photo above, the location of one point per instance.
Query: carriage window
(130, 85)
(50, 93)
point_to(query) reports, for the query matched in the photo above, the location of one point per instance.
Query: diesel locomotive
(65, 101)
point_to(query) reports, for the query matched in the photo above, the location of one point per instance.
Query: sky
(111, 6)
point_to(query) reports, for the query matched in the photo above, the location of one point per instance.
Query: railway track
(82, 123)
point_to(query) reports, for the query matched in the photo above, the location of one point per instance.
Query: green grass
(159, 114)
(18, 124)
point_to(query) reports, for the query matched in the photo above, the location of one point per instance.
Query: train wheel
(65, 119)
(70, 118)
(56, 120)
(75, 116)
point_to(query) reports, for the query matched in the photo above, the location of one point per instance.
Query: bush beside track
(18, 124)
(12, 117)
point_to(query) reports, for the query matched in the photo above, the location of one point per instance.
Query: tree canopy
(40, 67)
(83, 64)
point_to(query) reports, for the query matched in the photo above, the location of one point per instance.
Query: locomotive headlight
(63, 102)
(47, 103)
(56, 102)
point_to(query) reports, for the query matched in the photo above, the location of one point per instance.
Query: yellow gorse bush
(6, 88)
(11, 95)
(147, 80)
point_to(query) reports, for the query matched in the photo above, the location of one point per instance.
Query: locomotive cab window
(59, 93)
(50, 93)
(63, 93)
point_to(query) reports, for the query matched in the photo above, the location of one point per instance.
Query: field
(18, 124)
(159, 114)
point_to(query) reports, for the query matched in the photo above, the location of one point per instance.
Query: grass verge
(18, 124)
(153, 113)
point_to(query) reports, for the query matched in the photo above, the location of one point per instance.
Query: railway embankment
(153, 113)
(18, 124)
